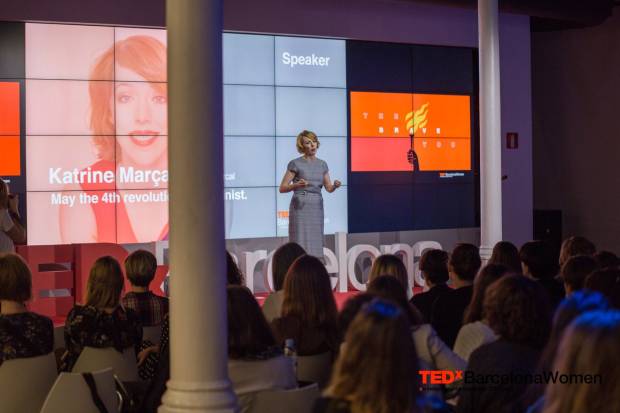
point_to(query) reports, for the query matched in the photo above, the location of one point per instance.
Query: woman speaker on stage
(306, 176)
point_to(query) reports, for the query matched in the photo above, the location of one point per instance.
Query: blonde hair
(378, 341)
(105, 283)
(588, 347)
(389, 264)
(144, 55)
(574, 246)
(306, 134)
(15, 279)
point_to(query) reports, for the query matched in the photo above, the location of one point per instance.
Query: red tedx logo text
(440, 376)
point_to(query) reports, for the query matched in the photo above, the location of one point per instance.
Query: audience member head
(234, 276)
(249, 333)
(389, 288)
(15, 279)
(487, 276)
(140, 267)
(105, 283)
(574, 246)
(464, 262)
(570, 308)
(308, 293)
(283, 258)
(350, 309)
(506, 253)
(575, 270)
(538, 260)
(378, 341)
(517, 309)
(606, 259)
(389, 264)
(607, 282)
(589, 347)
(434, 267)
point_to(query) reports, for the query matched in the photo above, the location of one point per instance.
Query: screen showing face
(97, 130)
(96, 134)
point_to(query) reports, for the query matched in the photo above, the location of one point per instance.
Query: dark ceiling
(547, 14)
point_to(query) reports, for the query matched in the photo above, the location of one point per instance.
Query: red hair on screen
(144, 55)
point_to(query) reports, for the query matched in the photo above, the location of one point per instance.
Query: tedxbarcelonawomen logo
(446, 377)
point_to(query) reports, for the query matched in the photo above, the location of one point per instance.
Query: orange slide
(381, 124)
(9, 129)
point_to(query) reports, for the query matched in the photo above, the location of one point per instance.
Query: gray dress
(305, 225)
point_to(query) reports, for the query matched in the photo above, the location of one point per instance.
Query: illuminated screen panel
(10, 164)
(242, 171)
(249, 110)
(141, 215)
(62, 51)
(250, 212)
(241, 49)
(9, 102)
(71, 217)
(382, 125)
(10, 147)
(96, 133)
(321, 110)
(96, 128)
(310, 62)
(57, 163)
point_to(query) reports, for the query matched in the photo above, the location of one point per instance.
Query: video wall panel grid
(90, 148)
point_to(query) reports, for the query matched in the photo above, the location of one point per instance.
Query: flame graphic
(417, 119)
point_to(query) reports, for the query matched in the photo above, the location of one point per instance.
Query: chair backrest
(59, 337)
(123, 364)
(25, 382)
(152, 334)
(315, 369)
(285, 401)
(71, 394)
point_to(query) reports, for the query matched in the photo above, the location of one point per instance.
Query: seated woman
(390, 264)
(434, 269)
(588, 348)
(572, 307)
(506, 253)
(517, 310)
(283, 258)
(476, 331)
(22, 333)
(377, 370)
(309, 314)
(255, 362)
(234, 276)
(101, 322)
(433, 353)
(140, 267)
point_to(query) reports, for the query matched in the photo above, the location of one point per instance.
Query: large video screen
(84, 131)
(97, 136)
(413, 137)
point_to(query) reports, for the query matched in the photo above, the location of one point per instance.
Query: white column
(490, 127)
(198, 349)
